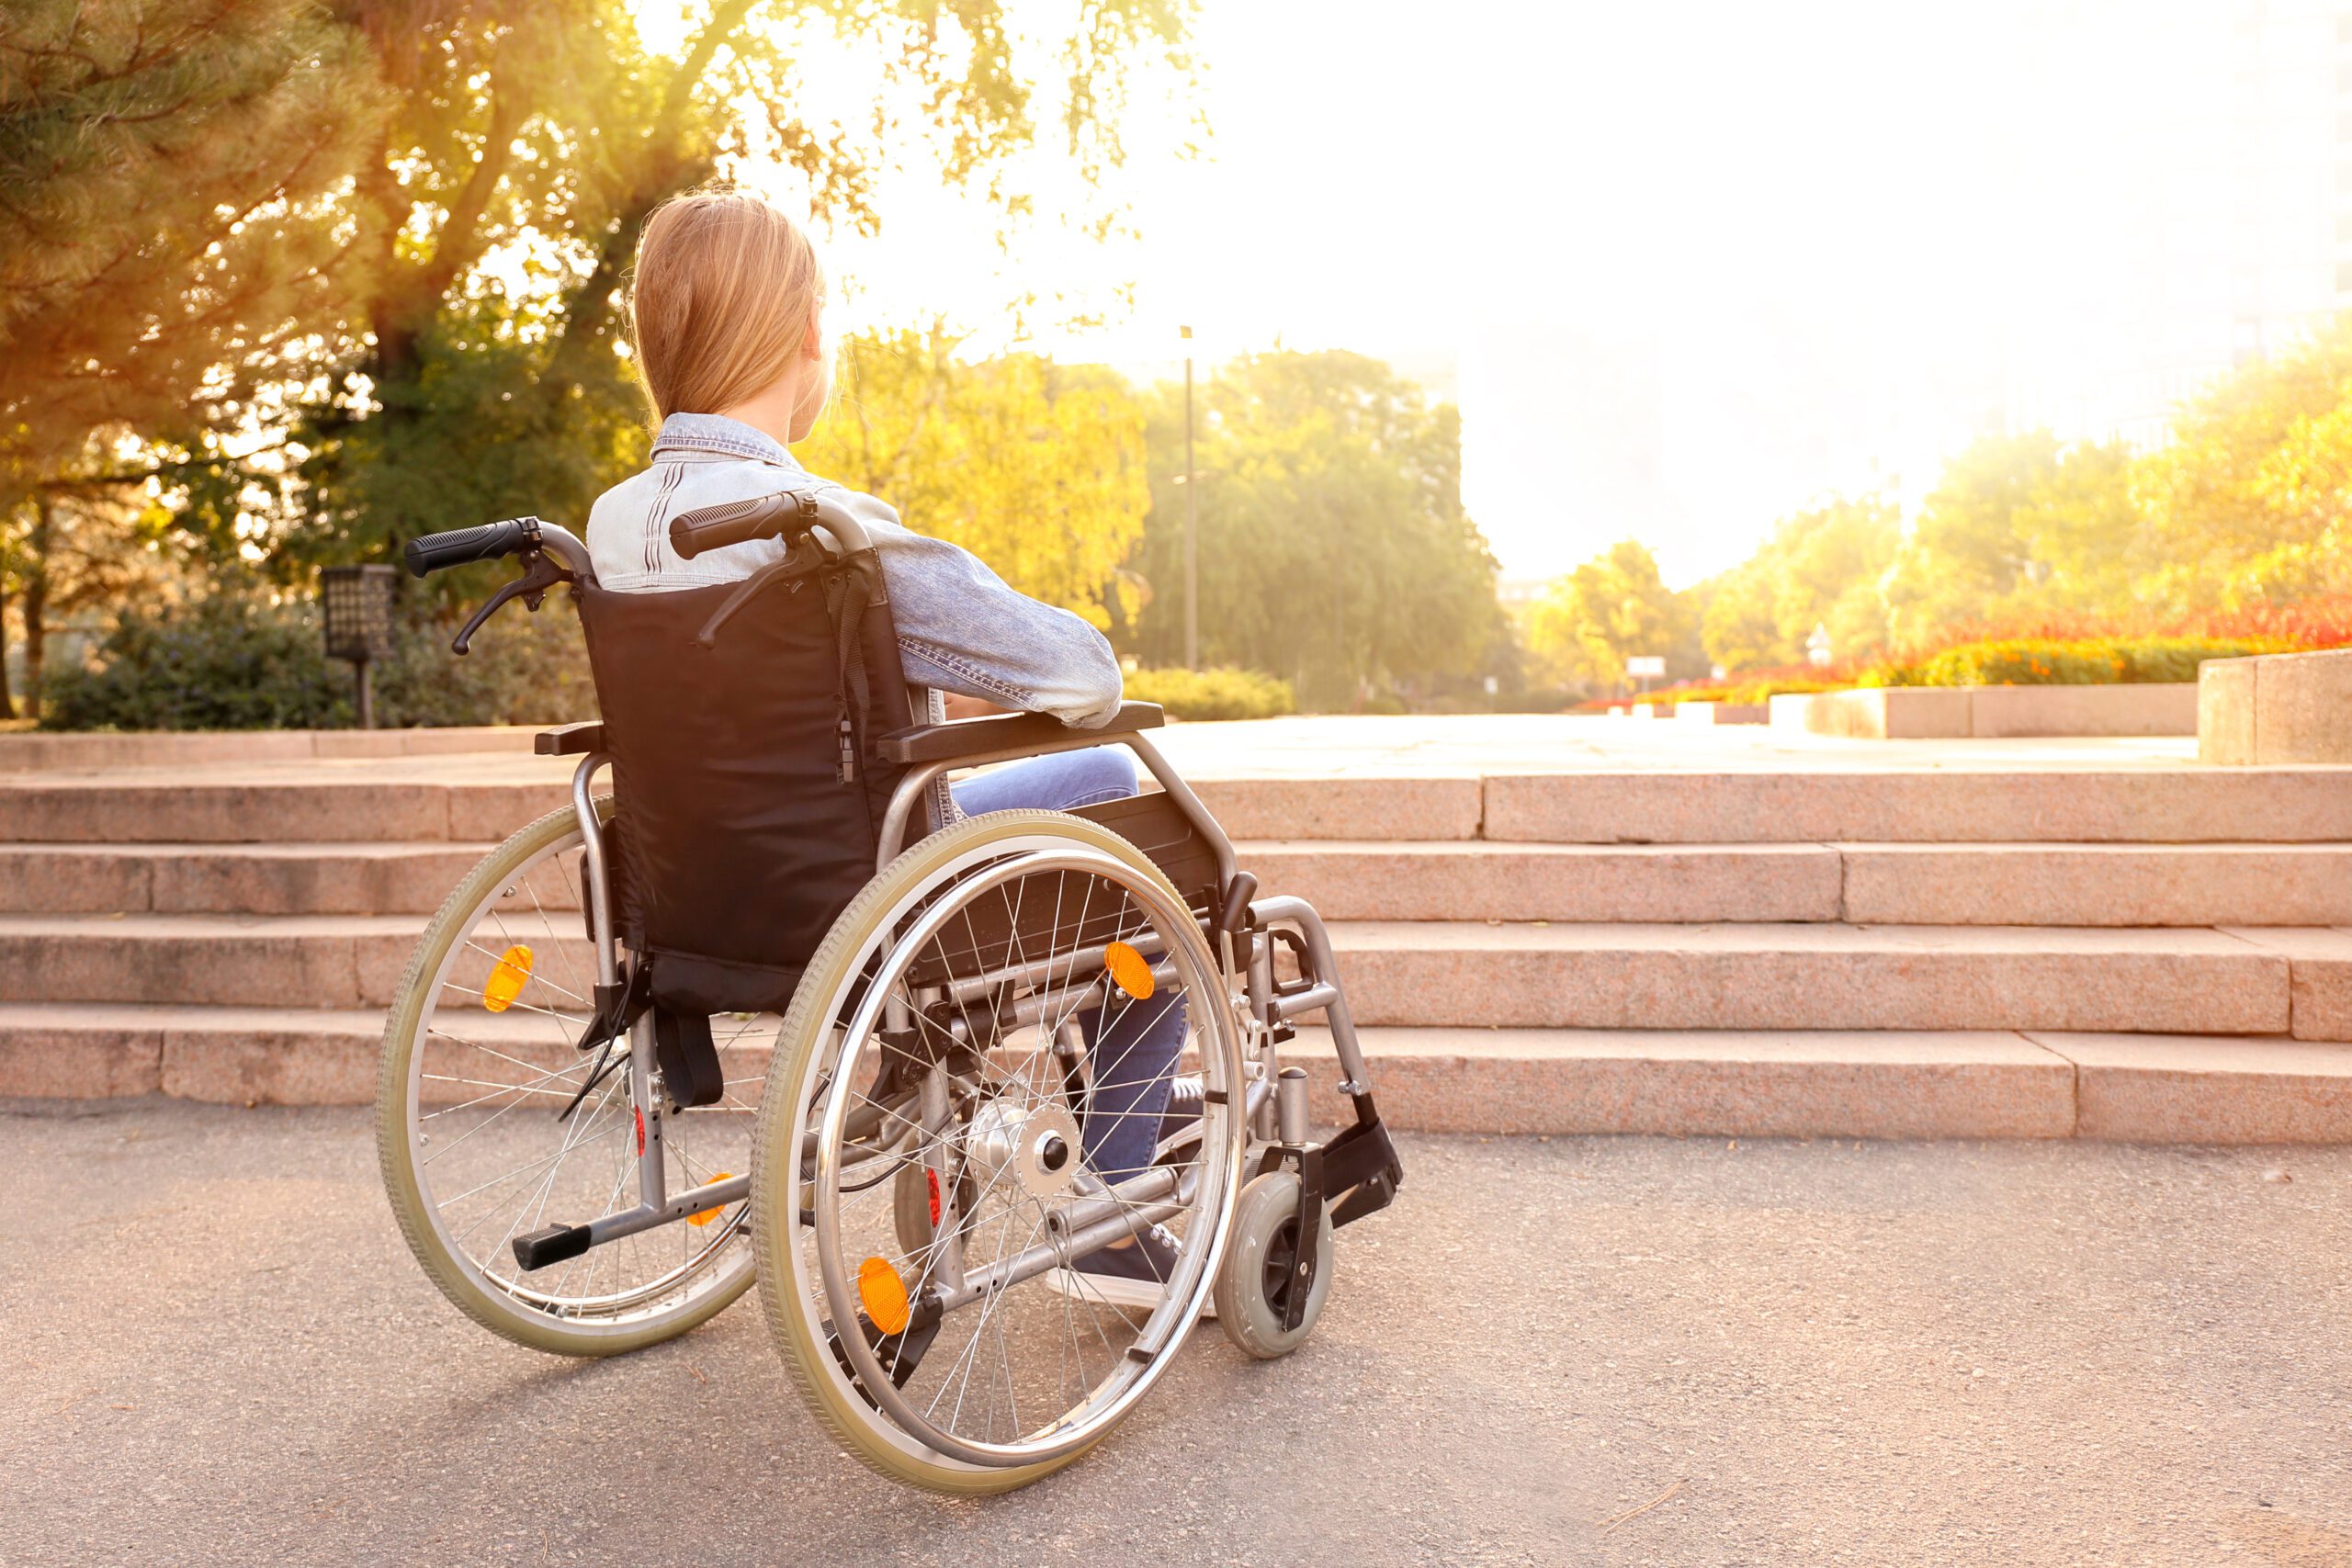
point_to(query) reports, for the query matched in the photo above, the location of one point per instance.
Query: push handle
(460, 546)
(734, 522)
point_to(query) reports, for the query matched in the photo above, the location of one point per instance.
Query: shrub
(1212, 694)
(240, 661)
(2094, 661)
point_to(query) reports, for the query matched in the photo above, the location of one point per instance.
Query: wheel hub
(1035, 1147)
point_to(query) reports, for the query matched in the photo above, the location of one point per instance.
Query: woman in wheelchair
(1025, 1114)
(728, 306)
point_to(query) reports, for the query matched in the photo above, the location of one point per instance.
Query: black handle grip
(733, 522)
(459, 547)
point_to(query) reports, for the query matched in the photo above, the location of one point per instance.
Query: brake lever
(539, 574)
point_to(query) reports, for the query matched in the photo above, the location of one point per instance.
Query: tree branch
(458, 242)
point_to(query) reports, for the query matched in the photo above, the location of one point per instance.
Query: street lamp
(1192, 525)
(357, 601)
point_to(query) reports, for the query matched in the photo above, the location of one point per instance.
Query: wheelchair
(769, 1009)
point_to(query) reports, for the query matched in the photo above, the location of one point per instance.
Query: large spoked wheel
(482, 1059)
(941, 1030)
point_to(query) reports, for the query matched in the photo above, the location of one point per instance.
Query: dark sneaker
(1134, 1275)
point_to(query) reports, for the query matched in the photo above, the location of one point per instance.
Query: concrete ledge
(1990, 713)
(159, 749)
(1724, 713)
(1911, 713)
(2281, 707)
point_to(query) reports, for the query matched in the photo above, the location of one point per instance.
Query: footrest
(553, 1244)
(1361, 1170)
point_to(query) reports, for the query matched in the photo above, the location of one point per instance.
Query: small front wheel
(1261, 1268)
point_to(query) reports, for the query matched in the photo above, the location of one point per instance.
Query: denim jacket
(961, 628)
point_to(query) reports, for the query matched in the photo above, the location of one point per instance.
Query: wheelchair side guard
(900, 1353)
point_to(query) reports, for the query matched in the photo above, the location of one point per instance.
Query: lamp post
(1192, 525)
(357, 601)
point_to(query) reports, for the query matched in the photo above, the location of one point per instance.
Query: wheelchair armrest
(570, 740)
(1002, 732)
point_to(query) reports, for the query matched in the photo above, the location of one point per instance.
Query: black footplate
(1361, 1172)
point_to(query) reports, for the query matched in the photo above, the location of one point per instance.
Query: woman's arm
(963, 630)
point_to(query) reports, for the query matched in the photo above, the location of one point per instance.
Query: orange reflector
(884, 1293)
(1128, 970)
(708, 1214)
(506, 979)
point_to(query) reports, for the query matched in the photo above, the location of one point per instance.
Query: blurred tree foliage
(1613, 608)
(1334, 550)
(1036, 468)
(2246, 507)
(2251, 501)
(1821, 568)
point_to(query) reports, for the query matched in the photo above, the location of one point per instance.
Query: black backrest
(738, 841)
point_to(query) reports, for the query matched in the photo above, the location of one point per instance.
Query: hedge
(241, 661)
(1212, 694)
(2092, 662)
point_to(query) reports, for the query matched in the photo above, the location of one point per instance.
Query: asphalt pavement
(1627, 1351)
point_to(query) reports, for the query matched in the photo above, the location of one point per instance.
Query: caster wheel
(1252, 1287)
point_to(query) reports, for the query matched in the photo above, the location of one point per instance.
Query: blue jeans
(1134, 1055)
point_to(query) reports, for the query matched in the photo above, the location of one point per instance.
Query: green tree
(2251, 500)
(1965, 554)
(1822, 567)
(1334, 550)
(1613, 608)
(504, 193)
(1036, 468)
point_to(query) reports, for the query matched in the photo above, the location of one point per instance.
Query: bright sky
(1687, 266)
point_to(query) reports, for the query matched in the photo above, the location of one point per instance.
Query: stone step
(1961, 1084)
(1982, 1083)
(2168, 805)
(1366, 880)
(233, 879)
(2056, 885)
(36, 808)
(2245, 980)
(301, 961)
(1981, 805)
(2098, 885)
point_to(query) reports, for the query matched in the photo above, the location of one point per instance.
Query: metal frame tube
(916, 786)
(648, 1216)
(1299, 913)
(600, 888)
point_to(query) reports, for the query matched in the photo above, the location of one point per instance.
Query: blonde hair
(725, 291)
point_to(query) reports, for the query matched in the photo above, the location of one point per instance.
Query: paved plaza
(1636, 1351)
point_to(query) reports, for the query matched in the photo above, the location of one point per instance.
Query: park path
(1824, 1352)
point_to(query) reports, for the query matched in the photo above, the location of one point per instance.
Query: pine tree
(166, 238)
